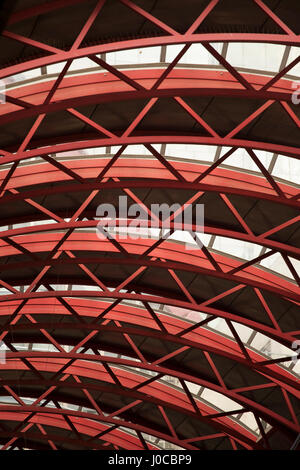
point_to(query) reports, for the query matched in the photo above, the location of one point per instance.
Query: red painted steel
(36, 250)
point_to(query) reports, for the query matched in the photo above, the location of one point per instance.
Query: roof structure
(116, 342)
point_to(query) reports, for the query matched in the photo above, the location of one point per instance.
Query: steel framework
(111, 344)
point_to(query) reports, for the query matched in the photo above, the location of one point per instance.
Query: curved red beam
(80, 91)
(27, 409)
(86, 428)
(270, 415)
(196, 83)
(207, 341)
(175, 258)
(18, 298)
(92, 224)
(155, 183)
(159, 394)
(146, 42)
(148, 172)
(89, 307)
(77, 90)
(81, 142)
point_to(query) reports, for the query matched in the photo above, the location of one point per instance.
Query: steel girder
(44, 256)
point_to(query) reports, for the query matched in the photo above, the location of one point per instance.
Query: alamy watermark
(296, 348)
(3, 350)
(134, 221)
(296, 93)
(2, 92)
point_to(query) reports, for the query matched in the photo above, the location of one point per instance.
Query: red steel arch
(139, 344)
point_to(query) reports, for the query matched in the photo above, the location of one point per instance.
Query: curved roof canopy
(119, 338)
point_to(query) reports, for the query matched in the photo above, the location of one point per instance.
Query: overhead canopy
(180, 339)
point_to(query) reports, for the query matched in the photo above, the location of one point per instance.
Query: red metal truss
(115, 343)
